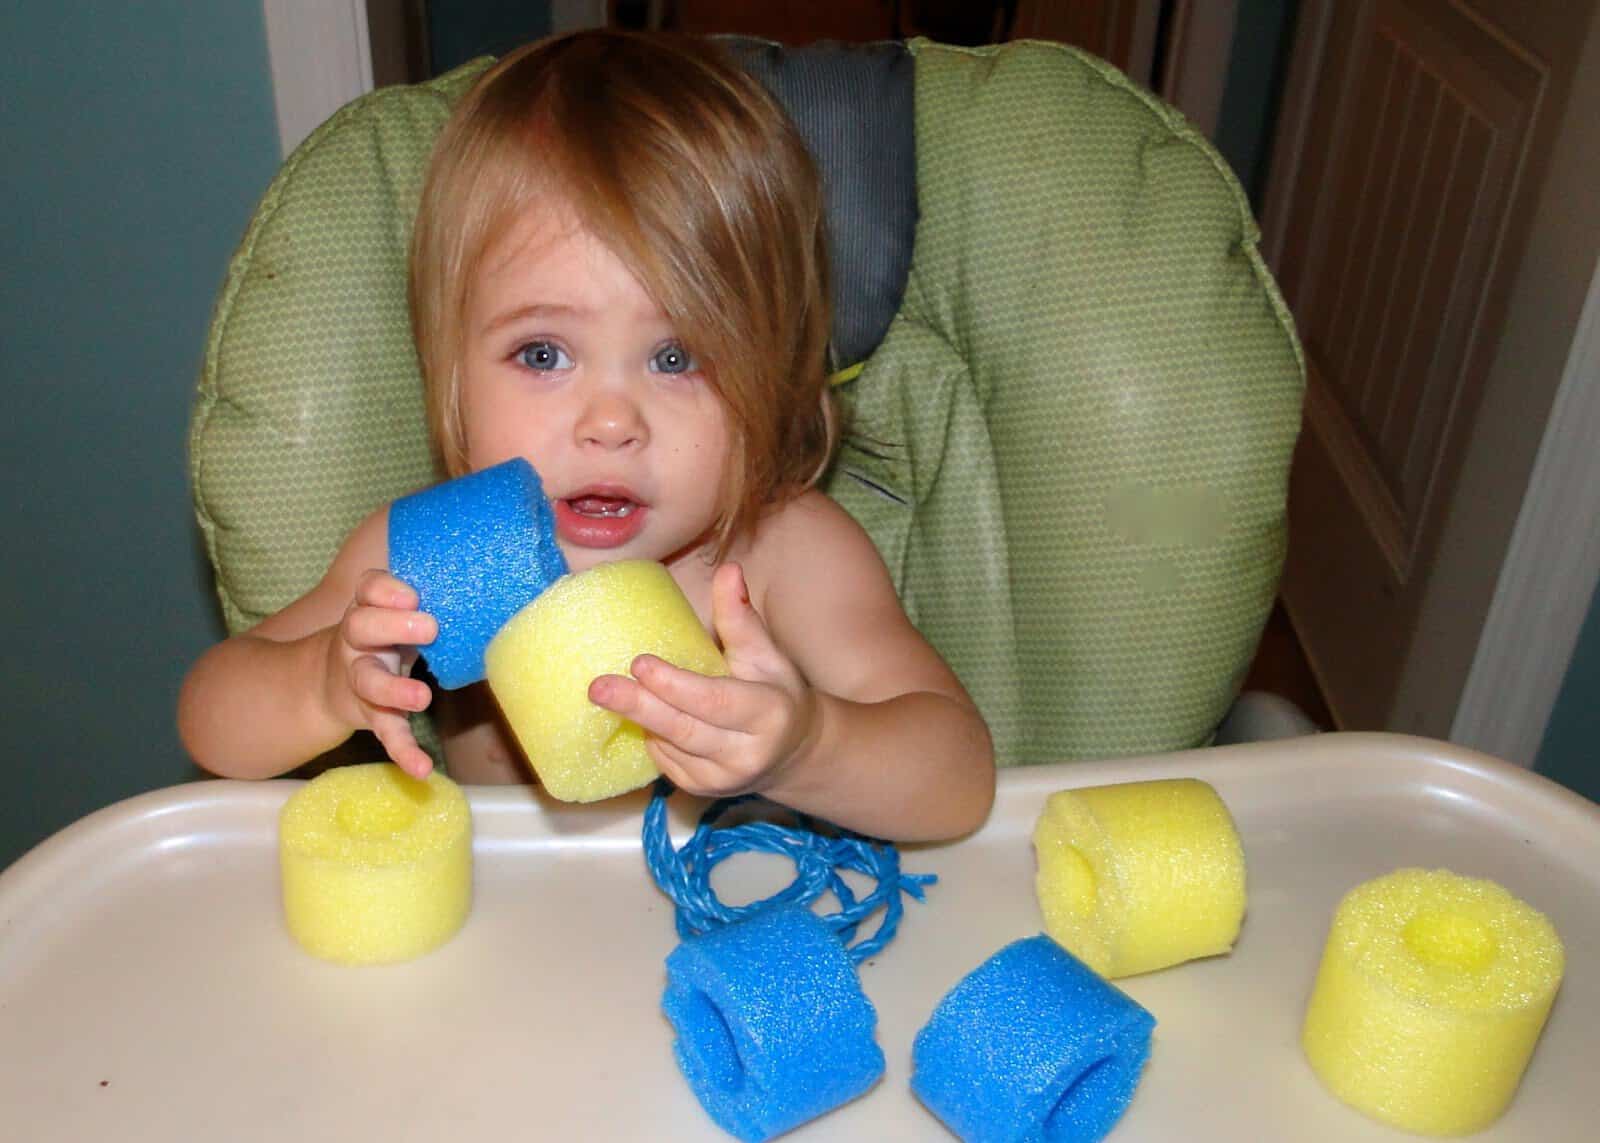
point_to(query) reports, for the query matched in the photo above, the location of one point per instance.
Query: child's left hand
(718, 736)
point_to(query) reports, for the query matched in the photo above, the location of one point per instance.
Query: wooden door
(1412, 148)
(1120, 31)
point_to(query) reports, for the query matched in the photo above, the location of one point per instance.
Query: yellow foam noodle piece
(376, 865)
(1431, 995)
(584, 625)
(1141, 875)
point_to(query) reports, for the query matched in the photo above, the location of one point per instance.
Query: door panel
(1417, 137)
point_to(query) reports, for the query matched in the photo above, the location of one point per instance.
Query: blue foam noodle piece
(477, 549)
(1031, 1045)
(772, 1027)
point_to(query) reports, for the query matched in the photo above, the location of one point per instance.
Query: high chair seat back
(1071, 445)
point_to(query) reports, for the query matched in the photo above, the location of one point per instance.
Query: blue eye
(543, 356)
(672, 358)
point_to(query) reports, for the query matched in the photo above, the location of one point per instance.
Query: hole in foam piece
(1449, 940)
(1063, 1124)
(713, 1043)
(389, 809)
(623, 743)
(1080, 891)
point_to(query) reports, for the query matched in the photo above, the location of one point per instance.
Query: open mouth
(600, 518)
(603, 507)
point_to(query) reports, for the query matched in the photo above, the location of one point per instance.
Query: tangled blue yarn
(685, 874)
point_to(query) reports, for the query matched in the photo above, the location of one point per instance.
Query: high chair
(1071, 386)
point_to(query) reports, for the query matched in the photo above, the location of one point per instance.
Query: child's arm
(302, 680)
(837, 706)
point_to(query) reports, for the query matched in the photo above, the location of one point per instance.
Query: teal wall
(1571, 750)
(137, 139)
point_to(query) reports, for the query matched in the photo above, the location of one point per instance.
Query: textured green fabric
(1084, 412)
(309, 411)
(1072, 447)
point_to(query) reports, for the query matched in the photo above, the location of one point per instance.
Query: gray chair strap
(853, 105)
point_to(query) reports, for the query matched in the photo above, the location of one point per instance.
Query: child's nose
(611, 419)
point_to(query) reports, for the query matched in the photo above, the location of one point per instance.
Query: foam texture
(585, 625)
(1432, 993)
(772, 1027)
(476, 549)
(1031, 1045)
(1141, 875)
(376, 865)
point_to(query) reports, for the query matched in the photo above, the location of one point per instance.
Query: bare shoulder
(806, 540)
(830, 603)
(810, 531)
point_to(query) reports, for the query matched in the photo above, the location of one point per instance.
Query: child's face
(569, 363)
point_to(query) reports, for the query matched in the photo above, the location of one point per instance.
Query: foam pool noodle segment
(585, 625)
(476, 549)
(1141, 875)
(1031, 1045)
(1432, 993)
(376, 865)
(772, 1027)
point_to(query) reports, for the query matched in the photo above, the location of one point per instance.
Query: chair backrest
(1071, 446)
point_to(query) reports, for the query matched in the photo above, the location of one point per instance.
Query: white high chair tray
(149, 989)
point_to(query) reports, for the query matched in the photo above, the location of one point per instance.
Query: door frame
(1550, 573)
(320, 58)
(1199, 51)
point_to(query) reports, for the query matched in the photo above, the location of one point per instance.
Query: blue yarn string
(684, 875)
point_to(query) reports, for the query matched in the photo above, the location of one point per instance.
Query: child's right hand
(370, 654)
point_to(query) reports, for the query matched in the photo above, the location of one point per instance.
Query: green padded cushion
(309, 412)
(1072, 447)
(1076, 435)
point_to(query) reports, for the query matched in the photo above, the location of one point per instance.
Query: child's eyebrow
(535, 309)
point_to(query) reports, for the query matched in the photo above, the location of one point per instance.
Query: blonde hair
(690, 172)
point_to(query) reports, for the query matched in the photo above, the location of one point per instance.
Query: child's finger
(632, 701)
(688, 772)
(671, 762)
(381, 588)
(394, 734)
(727, 703)
(375, 628)
(738, 625)
(375, 684)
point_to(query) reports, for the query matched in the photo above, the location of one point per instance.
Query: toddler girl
(618, 272)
